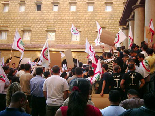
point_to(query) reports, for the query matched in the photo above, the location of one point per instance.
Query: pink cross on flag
(18, 43)
(74, 30)
(130, 37)
(45, 55)
(151, 28)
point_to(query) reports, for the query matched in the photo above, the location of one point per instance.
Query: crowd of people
(128, 76)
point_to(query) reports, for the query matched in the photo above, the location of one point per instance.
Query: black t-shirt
(109, 82)
(132, 79)
(117, 79)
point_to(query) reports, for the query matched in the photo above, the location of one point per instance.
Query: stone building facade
(37, 20)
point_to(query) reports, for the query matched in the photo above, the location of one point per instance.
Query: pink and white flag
(120, 37)
(151, 29)
(45, 55)
(130, 37)
(18, 43)
(74, 30)
(99, 29)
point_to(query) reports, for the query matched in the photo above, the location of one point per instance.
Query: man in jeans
(55, 90)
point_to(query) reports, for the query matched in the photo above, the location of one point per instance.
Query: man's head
(133, 53)
(22, 66)
(149, 101)
(18, 99)
(46, 74)
(114, 96)
(109, 55)
(105, 67)
(6, 69)
(117, 69)
(27, 67)
(91, 73)
(80, 64)
(150, 51)
(140, 57)
(132, 93)
(55, 69)
(78, 72)
(144, 47)
(131, 67)
(39, 71)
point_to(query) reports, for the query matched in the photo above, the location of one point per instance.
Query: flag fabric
(18, 43)
(120, 37)
(62, 55)
(151, 29)
(97, 71)
(2, 61)
(2, 75)
(74, 30)
(87, 45)
(45, 56)
(99, 29)
(130, 37)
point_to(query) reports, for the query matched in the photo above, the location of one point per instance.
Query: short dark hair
(109, 55)
(105, 66)
(150, 51)
(55, 69)
(22, 66)
(80, 64)
(5, 68)
(116, 68)
(63, 74)
(131, 66)
(17, 96)
(132, 51)
(27, 67)
(149, 100)
(133, 46)
(140, 55)
(91, 72)
(46, 74)
(145, 47)
(73, 71)
(126, 51)
(78, 71)
(132, 92)
(114, 96)
(39, 71)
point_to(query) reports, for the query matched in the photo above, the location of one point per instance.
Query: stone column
(139, 24)
(149, 14)
(125, 42)
(131, 23)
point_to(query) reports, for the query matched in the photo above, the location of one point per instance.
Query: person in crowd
(14, 87)
(85, 74)
(114, 109)
(117, 76)
(25, 82)
(106, 82)
(78, 73)
(147, 110)
(133, 55)
(144, 49)
(78, 99)
(55, 90)
(133, 100)
(64, 75)
(70, 89)
(47, 74)
(4, 84)
(151, 61)
(131, 79)
(109, 62)
(125, 52)
(37, 96)
(22, 71)
(12, 75)
(125, 59)
(18, 100)
(72, 76)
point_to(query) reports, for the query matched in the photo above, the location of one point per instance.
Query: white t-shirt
(112, 111)
(20, 73)
(55, 86)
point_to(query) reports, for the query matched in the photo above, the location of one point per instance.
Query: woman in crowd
(77, 105)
